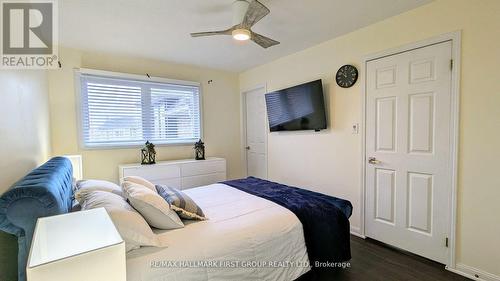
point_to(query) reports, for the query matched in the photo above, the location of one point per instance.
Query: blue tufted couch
(45, 191)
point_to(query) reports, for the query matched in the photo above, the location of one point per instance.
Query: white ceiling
(159, 29)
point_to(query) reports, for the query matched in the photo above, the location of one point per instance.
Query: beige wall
(220, 112)
(333, 166)
(24, 123)
(24, 141)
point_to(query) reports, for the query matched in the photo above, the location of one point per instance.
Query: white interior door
(408, 122)
(256, 133)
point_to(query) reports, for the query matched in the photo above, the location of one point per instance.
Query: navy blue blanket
(325, 219)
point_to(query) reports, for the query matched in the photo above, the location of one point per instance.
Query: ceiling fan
(245, 15)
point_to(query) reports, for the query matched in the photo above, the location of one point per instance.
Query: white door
(256, 133)
(408, 182)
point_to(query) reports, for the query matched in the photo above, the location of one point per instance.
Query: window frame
(78, 72)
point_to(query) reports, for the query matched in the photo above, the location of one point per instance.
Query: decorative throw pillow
(141, 181)
(152, 206)
(185, 207)
(100, 185)
(134, 230)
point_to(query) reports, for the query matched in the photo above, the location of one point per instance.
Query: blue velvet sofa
(45, 191)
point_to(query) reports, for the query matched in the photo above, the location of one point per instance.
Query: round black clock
(347, 76)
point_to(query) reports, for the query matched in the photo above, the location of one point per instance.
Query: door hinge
(451, 64)
(446, 242)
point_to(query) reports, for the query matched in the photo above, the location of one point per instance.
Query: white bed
(241, 228)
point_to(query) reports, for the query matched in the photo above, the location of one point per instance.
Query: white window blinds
(119, 111)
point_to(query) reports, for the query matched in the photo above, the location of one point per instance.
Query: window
(122, 110)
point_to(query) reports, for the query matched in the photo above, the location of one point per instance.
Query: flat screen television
(297, 108)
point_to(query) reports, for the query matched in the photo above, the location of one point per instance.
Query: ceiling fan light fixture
(241, 34)
(246, 13)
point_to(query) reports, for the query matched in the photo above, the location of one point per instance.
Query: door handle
(374, 161)
(247, 148)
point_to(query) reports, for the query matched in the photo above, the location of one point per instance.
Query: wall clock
(346, 76)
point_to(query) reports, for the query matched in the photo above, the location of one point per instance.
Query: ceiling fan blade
(263, 41)
(211, 33)
(256, 11)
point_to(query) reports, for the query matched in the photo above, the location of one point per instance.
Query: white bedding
(242, 229)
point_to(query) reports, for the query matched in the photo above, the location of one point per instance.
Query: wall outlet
(355, 128)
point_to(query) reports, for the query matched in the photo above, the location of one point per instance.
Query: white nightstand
(77, 246)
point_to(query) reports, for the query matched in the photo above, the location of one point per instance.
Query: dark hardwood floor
(371, 260)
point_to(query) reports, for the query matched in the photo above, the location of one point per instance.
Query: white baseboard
(356, 231)
(473, 273)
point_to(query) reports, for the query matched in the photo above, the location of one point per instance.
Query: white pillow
(100, 185)
(129, 223)
(141, 181)
(155, 210)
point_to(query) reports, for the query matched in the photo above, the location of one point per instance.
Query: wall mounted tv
(297, 108)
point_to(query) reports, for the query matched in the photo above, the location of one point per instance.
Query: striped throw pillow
(181, 203)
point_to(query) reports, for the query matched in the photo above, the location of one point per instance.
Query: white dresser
(181, 174)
